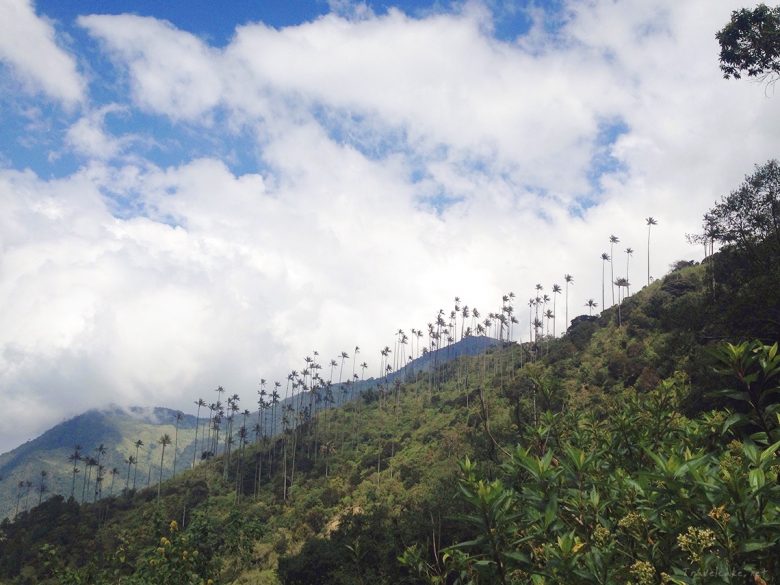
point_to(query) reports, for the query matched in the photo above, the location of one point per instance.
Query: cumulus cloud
(88, 135)
(400, 161)
(184, 84)
(29, 47)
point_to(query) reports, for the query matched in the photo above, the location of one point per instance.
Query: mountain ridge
(116, 427)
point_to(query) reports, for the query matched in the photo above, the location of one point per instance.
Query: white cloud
(28, 45)
(185, 83)
(88, 135)
(337, 240)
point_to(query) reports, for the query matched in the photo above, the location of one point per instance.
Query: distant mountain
(117, 429)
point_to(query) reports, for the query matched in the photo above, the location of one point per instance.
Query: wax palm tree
(604, 259)
(569, 279)
(274, 402)
(179, 416)
(343, 356)
(114, 471)
(620, 283)
(199, 402)
(217, 420)
(74, 459)
(27, 487)
(333, 364)
(138, 444)
(591, 304)
(612, 241)
(130, 462)
(537, 323)
(629, 253)
(550, 316)
(19, 491)
(261, 406)
(650, 221)
(100, 450)
(42, 485)
(165, 440)
(355, 353)
(537, 300)
(556, 291)
(99, 482)
(89, 463)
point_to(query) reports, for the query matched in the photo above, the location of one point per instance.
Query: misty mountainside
(118, 429)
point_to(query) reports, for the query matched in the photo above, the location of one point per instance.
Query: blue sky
(32, 142)
(34, 145)
(196, 194)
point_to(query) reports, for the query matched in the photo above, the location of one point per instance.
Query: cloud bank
(316, 187)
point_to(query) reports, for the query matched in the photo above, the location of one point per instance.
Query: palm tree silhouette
(199, 402)
(274, 402)
(343, 356)
(165, 440)
(569, 279)
(556, 291)
(620, 283)
(550, 316)
(650, 221)
(42, 485)
(612, 241)
(629, 252)
(100, 450)
(179, 416)
(114, 471)
(604, 259)
(138, 444)
(591, 304)
(89, 463)
(130, 462)
(19, 488)
(74, 459)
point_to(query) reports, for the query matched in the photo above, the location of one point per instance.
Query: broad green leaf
(735, 419)
(754, 546)
(517, 556)
(757, 478)
(769, 452)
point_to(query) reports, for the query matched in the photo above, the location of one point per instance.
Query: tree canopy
(750, 43)
(749, 217)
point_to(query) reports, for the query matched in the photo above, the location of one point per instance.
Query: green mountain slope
(599, 459)
(117, 429)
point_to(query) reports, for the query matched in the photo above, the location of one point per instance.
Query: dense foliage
(643, 495)
(749, 43)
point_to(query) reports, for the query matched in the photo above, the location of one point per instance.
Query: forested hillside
(638, 447)
(641, 446)
(101, 452)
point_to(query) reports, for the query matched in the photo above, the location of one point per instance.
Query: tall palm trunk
(176, 441)
(73, 481)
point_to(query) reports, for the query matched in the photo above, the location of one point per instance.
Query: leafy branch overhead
(750, 43)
